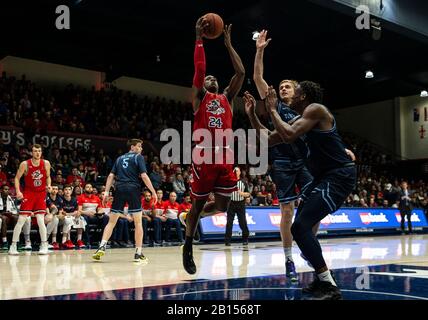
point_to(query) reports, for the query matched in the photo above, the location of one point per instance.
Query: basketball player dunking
(333, 170)
(212, 111)
(37, 178)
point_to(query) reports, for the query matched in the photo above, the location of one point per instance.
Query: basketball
(215, 26)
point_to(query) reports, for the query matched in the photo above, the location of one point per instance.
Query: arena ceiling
(309, 42)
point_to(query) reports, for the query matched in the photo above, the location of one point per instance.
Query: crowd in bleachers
(37, 110)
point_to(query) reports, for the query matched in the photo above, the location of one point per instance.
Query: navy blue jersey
(284, 151)
(327, 150)
(58, 202)
(128, 169)
(70, 206)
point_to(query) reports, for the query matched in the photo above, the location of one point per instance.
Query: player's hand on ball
(261, 42)
(201, 25)
(250, 102)
(271, 99)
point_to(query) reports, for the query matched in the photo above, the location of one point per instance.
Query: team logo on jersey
(214, 107)
(37, 175)
(37, 178)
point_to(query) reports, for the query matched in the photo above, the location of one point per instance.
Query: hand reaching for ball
(201, 26)
(227, 37)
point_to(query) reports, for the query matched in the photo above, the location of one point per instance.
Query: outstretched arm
(310, 118)
(261, 84)
(250, 108)
(200, 65)
(237, 80)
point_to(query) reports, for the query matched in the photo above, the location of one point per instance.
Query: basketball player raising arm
(213, 112)
(202, 83)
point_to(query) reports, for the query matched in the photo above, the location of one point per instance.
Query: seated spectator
(185, 208)
(91, 170)
(248, 202)
(385, 204)
(156, 177)
(148, 206)
(363, 203)
(8, 214)
(3, 176)
(54, 204)
(90, 212)
(179, 187)
(159, 217)
(70, 209)
(75, 176)
(269, 200)
(171, 208)
(372, 202)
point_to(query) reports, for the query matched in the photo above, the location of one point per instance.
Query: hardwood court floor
(397, 267)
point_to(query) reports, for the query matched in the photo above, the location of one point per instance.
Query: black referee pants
(236, 207)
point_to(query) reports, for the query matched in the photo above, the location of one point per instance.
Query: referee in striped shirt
(237, 206)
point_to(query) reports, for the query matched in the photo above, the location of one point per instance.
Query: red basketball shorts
(33, 202)
(217, 178)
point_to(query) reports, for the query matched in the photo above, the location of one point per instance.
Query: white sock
(64, 238)
(27, 238)
(79, 237)
(4, 240)
(288, 254)
(103, 243)
(326, 276)
(139, 250)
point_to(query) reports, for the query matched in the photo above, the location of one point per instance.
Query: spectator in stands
(70, 209)
(171, 208)
(167, 186)
(155, 177)
(77, 190)
(91, 170)
(75, 160)
(90, 208)
(179, 187)
(372, 202)
(54, 204)
(385, 204)
(8, 214)
(269, 199)
(3, 176)
(159, 218)
(248, 202)
(148, 206)
(75, 176)
(59, 180)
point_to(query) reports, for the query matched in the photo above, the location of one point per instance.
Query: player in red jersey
(212, 112)
(37, 178)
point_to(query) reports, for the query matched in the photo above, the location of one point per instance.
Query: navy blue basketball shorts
(287, 174)
(127, 195)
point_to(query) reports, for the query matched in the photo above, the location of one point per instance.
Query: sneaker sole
(13, 253)
(97, 256)
(139, 261)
